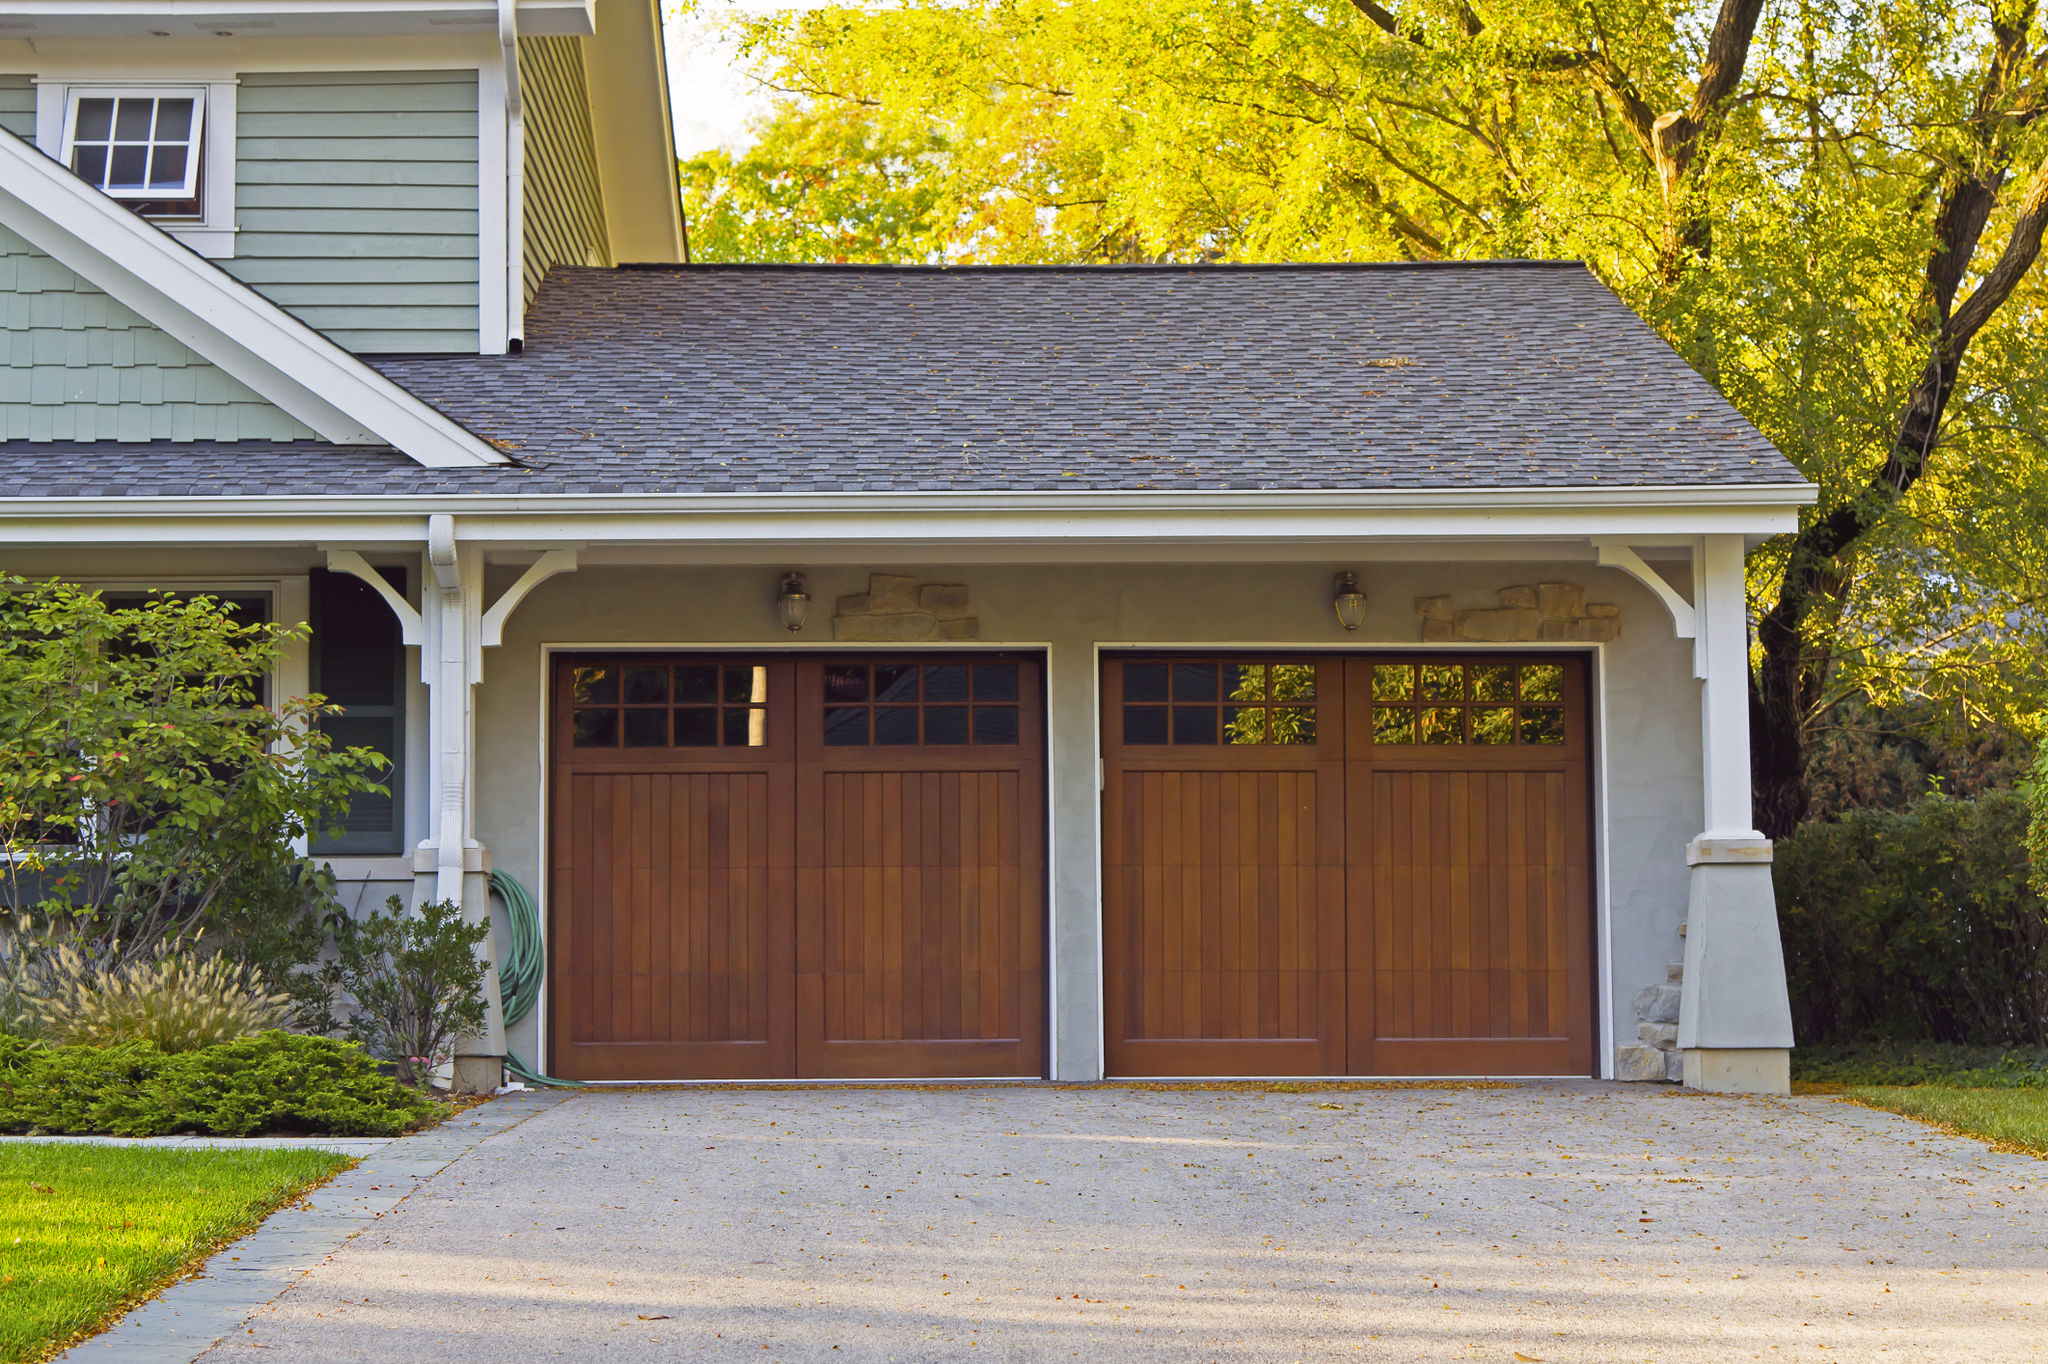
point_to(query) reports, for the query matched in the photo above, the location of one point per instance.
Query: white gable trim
(226, 322)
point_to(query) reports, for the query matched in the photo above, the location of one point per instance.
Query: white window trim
(212, 235)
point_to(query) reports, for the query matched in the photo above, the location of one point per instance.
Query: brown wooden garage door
(1372, 866)
(771, 867)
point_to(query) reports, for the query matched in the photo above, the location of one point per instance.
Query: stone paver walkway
(1552, 1222)
(178, 1325)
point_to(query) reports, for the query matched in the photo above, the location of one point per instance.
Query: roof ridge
(1221, 267)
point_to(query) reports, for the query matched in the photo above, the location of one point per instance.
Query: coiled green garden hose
(520, 973)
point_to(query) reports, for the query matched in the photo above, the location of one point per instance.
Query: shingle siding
(356, 199)
(564, 209)
(75, 365)
(18, 106)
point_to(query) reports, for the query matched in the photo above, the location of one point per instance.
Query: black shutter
(359, 665)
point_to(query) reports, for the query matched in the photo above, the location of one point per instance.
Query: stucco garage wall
(1647, 720)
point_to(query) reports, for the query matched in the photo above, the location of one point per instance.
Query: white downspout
(515, 179)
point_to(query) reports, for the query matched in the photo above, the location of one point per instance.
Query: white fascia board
(877, 522)
(286, 362)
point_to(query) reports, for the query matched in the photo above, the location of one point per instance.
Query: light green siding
(356, 196)
(77, 365)
(564, 208)
(18, 106)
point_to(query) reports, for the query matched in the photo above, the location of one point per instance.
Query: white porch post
(449, 863)
(1735, 1019)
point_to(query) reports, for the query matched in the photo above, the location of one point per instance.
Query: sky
(710, 97)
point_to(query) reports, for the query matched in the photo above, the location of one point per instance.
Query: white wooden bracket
(1685, 619)
(539, 571)
(410, 628)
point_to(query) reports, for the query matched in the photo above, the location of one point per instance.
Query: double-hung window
(142, 147)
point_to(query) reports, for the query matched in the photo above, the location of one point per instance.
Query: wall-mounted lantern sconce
(793, 603)
(1348, 601)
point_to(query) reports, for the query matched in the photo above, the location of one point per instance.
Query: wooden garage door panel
(1405, 891)
(925, 955)
(1223, 921)
(673, 965)
(758, 873)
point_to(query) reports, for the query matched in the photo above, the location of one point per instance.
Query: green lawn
(87, 1231)
(2013, 1118)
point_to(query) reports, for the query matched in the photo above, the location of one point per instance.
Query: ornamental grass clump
(175, 1001)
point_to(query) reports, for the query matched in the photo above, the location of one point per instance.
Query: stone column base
(1739, 1070)
(478, 1074)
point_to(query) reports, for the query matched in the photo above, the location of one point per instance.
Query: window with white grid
(141, 146)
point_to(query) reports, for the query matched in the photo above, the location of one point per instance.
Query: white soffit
(286, 18)
(282, 359)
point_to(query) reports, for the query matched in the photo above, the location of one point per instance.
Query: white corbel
(410, 628)
(441, 551)
(1614, 554)
(539, 571)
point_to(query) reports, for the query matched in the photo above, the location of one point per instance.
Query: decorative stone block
(1555, 613)
(1561, 601)
(1506, 623)
(1639, 1063)
(889, 593)
(1674, 971)
(897, 628)
(1662, 1036)
(1657, 1004)
(1518, 596)
(897, 609)
(1674, 1067)
(947, 601)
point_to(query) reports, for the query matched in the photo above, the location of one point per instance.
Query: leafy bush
(273, 1081)
(275, 920)
(415, 979)
(175, 1001)
(1919, 925)
(140, 773)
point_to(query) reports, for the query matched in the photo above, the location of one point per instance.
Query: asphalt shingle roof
(825, 379)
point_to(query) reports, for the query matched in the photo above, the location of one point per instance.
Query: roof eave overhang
(1186, 519)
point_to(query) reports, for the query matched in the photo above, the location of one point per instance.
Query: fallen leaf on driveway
(658, 1316)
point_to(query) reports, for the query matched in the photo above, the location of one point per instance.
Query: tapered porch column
(1734, 1019)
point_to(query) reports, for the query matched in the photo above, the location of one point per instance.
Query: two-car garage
(835, 866)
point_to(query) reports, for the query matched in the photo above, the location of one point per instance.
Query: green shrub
(274, 1081)
(415, 980)
(1921, 1063)
(174, 1000)
(1916, 925)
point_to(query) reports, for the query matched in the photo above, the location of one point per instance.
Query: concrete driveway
(1549, 1222)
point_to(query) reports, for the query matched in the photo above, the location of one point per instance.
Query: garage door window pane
(1244, 682)
(1542, 682)
(1244, 724)
(846, 727)
(646, 686)
(1443, 725)
(1542, 724)
(1294, 725)
(1493, 725)
(995, 724)
(1145, 682)
(1443, 682)
(595, 729)
(1393, 682)
(1144, 724)
(1194, 724)
(1194, 682)
(647, 728)
(1493, 682)
(993, 682)
(846, 683)
(596, 687)
(1393, 725)
(944, 724)
(946, 682)
(1294, 681)
(895, 724)
(697, 683)
(697, 727)
(746, 728)
(896, 682)
(743, 684)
